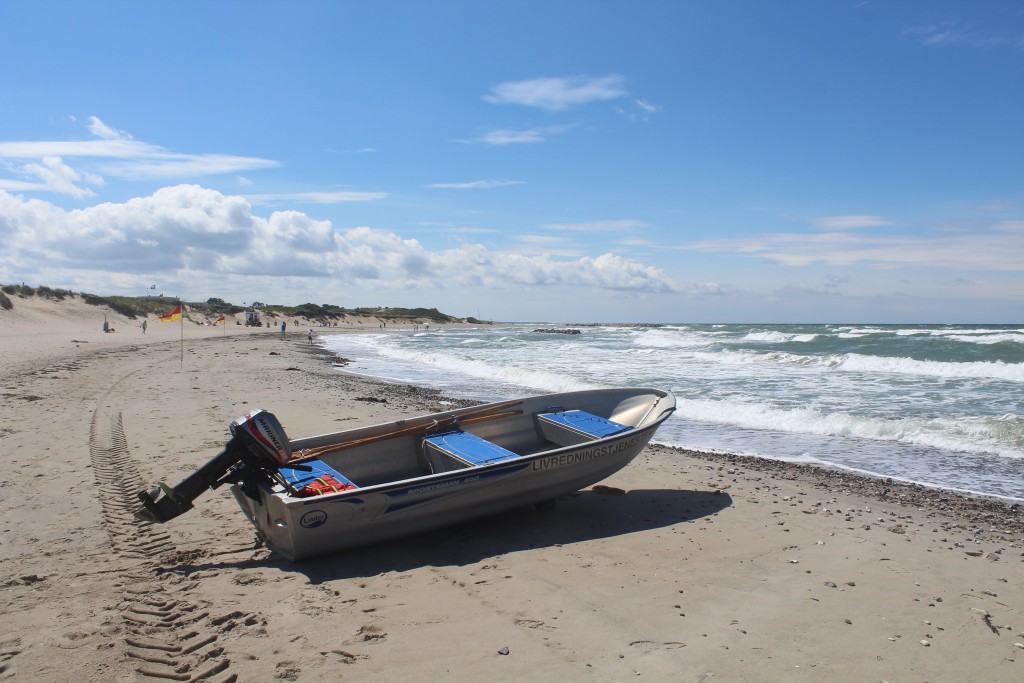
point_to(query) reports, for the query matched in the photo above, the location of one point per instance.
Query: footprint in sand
(532, 623)
(344, 657)
(370, 633)
(9, 649)
(287, 671)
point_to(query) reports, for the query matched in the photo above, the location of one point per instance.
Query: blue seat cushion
(586, 423)
(469, 448)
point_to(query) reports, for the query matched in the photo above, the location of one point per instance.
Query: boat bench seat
(456, 449)
(571, 427)
(321, 478)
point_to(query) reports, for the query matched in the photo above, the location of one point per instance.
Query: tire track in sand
(169, 638)
(119, 481)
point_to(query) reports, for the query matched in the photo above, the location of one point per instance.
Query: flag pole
(181, 319)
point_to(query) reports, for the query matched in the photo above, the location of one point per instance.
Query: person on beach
(310, 336)
(283, 325)
(143, 326)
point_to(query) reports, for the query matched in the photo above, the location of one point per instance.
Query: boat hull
(300, 528)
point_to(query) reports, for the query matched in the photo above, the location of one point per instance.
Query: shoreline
(681, 565)
(935, 498)
(976, 508)
(959, 446)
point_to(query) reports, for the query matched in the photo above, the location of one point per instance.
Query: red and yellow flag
(172, 317)
(219, 321)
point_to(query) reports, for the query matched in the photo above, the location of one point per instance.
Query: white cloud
(640, 111)
(49, 174)
(951, 34)
(114, 153)
(119, 149)
(476, 184)
(993, 248)
(189, 234)
(1013, 227)
(470, 230)
(614, 272)
(21, 185)
(105, 132)
(850, 222)
(628, 225)
(512, 137)
(508, 136)
(541, 240)
(59, 177)
(710, 289)
(556, 94)
(362, 150)
(646, 106)
(166, 165)
(336, 197)
(829, 287)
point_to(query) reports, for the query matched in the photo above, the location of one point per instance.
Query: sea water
(936, 405)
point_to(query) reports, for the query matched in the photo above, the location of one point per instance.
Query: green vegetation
(330, 312)
(392, 313)
(24, 291)
(221, 307)
(133, 307)
(55, 294)
(16, 290)
(119, 305)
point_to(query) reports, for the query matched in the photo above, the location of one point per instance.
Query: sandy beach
(682, 567)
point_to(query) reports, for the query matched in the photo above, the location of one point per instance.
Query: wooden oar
(307, 454)
(312, 453)
(471, 417)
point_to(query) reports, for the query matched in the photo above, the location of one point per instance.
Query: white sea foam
(865, 331)
(1010, 372)
(877, 365)
(670, 338)
(503, 373)
(852, 396)
(976, 335)
(991, 338)
(766, 337)
(1002, 436)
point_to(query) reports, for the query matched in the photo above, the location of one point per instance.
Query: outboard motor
(258, 447)
(264, 437)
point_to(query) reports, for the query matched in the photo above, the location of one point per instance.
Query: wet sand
(683, 566)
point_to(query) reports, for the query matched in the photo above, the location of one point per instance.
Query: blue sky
(573, 161)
